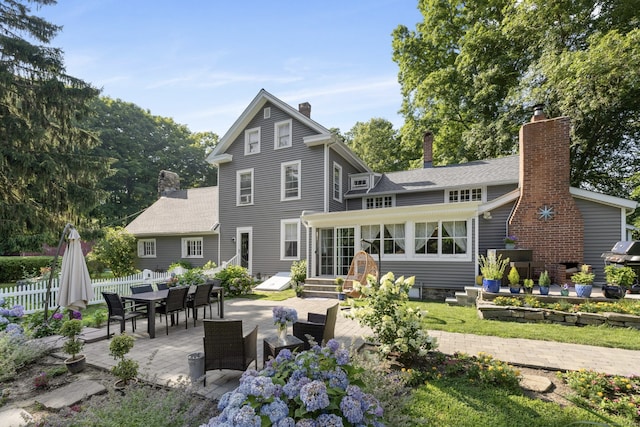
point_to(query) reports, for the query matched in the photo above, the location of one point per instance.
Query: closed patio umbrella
(75, 284)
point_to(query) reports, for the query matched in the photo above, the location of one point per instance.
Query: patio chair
(200, 298)
(320, 327)
(215, 296)
(162, 286)
(138, 289)
(226, 348)
(175, 303)
(117, 312)
(362, 265)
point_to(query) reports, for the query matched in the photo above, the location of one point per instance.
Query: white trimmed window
(290, 181)
(370, 238)
(192, 247)
(359, 182)
(289, 239)
(378, 202)
(337, 182)
(464, 195)
(147, 248)
(282, 134)
(266, 113)
(393, 239)
(252, 141)
(448, 238)
(244, 189)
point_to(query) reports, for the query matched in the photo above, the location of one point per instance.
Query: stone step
(319, 288)
(319, 294)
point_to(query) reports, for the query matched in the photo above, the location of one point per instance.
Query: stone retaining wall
(491, 311)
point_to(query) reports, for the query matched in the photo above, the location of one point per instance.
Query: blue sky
(202, 62)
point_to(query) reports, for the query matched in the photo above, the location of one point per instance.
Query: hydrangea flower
(307, 389)
(284, 315)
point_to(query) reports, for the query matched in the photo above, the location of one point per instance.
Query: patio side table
(273, 346)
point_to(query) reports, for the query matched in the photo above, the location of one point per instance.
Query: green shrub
(396, 327)
(118, 250)
(16, 352)
(235, 280)
(191, 277)
(13, 268)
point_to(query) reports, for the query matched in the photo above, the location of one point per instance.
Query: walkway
(165, 357)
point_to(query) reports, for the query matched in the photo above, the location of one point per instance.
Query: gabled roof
(192, 211)
(218, 155)
(503, 170)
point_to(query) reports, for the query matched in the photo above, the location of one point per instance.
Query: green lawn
(441, 316)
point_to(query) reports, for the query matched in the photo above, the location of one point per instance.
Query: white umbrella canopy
(75, 283)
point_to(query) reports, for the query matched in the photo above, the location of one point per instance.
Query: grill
(625, 253)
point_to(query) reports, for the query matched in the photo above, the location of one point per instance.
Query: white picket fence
(32, 295)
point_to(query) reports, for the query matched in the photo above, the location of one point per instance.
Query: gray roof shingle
(503, 170)
(181, 212)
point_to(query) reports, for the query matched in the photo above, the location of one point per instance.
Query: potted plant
(583, 281)
(298, 276)
(126, 369)
(564, 291)
(492, 269)
(339, 285)
(544, 281)
(619, 280)
(73, 346)
(510, 242)
(528, 286)
(514, 280)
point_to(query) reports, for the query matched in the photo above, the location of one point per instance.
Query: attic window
(252, 141)
(464, 195)
(359, 182)
(267, 113)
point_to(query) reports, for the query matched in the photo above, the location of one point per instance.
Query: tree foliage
(140, 145)
(378, 144)
(470, 73)
(47, 174)
(118, 250)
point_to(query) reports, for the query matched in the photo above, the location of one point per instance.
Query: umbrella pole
(53, 269)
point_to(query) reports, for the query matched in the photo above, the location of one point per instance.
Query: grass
(443, 317)
(455, 402)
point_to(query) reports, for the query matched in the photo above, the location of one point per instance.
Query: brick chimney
(427, 149)
(168, 182)
(546, 218)
(305, 108)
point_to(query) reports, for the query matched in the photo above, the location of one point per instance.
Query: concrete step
(319, 294)
(319, 288)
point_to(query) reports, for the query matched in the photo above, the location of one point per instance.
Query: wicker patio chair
(215, 295)
(362, 265)
(226, 348)
(162, 286)
(175, 303)
(139, 289)
(118, 313)
(320, 327)
(201, 298)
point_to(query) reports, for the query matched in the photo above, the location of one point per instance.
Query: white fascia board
(499, 201)
(628, 205)
(219, 159)
(431, 212)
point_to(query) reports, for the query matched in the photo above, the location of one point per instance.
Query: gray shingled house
(289, 190)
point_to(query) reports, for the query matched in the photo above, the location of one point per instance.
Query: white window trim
(247, 134)
(441, 256)
(183, 245)
(393, 201)
(283, 224)
(363, 186)
(276, 134)
(483, 196)
(141, 243)
(283, 175)
(266, 113)
(337, 167)
(238, 174)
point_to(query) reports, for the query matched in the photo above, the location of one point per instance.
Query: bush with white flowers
(396, 326)
(309, 389)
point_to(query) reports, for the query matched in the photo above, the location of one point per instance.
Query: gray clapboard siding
(169, 250)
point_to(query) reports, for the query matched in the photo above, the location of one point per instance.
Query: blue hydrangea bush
(314, 388)
(10, 317)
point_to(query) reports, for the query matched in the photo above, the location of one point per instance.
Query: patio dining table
(152, 298)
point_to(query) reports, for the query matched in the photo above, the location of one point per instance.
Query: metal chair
(201, 298)
(226, 348)
(175, 303)
(320, 327)
(117, 312)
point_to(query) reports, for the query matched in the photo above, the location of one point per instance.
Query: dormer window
(252, 141)
(360, 182)
(283, 134)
